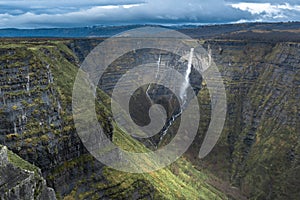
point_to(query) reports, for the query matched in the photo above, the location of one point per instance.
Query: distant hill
(80, 32)
(207, 31)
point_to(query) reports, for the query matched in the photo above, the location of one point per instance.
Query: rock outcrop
(18, 183)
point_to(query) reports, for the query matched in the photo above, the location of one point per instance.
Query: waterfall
(158, 65)
(50, 77)
(24, 116)
(186, 78)
(27, 84)
(205, 63)
(184, 86)
(209, 55)
(170, 122)
(58, 106)
(156, 76)
(148, 88)
(15, 128)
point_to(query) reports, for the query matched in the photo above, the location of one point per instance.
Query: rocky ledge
(21, 180)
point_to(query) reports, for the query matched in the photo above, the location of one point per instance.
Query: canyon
(257, 156)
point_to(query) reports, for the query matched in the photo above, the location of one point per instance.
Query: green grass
(21, 163)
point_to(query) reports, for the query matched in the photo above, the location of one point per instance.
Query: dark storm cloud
(64, 13)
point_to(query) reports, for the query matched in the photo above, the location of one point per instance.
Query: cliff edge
(21, 180)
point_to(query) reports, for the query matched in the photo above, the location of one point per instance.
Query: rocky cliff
(258, 152)
(36, 123)
(21, 180)
(259, 148)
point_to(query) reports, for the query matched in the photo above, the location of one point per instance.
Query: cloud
(65, 13)
(270, 11)
(291, 2)
(62, 6)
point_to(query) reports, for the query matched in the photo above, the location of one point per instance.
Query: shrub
(45, 138)
(12, 136)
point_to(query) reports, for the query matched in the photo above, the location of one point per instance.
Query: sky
(82, 13)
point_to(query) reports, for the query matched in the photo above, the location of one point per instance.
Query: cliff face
(17, 181)
(35, 111)
(258, 151)
(36, 123)
(259, 147)
(32, 123)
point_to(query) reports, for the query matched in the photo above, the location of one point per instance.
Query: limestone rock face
(3, 156)
(17, 183)
(259, 149)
